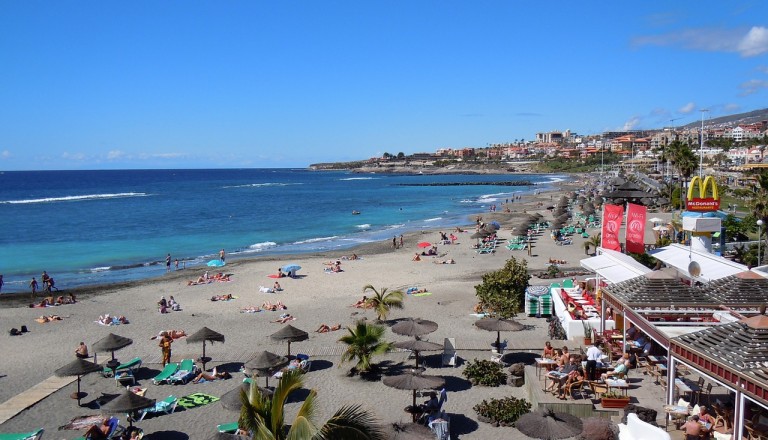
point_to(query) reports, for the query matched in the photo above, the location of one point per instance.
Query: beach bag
(15, 332)
(24, 329)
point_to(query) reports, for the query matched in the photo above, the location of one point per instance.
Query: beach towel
(250, 311)
(273, 276)
(478, 315)
(422, 294)
(195, 400)
(83, 422)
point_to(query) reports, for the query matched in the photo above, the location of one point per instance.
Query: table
(676, 413)
(686, 388)
(589, 308)
(541, 362)
(619, 384)
(657, 360)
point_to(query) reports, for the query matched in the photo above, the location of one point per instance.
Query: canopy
(291, 334)
(712, 266)
(111, 343)
(414, 380)
(549, 425)
(614, 266)
(414, 327)
(204, 335)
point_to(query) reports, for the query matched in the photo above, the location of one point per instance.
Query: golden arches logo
(702, 203)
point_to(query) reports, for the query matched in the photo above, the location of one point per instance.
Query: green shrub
(483, 372)
(504, 411)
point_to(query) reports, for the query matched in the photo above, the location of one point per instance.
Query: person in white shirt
(594, 354)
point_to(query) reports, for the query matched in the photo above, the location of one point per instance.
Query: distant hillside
(734, 120)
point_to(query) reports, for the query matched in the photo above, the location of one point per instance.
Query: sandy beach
(314, 298)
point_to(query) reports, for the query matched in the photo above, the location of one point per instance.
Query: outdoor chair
(133, 364)
(707, 391)
(575, 387)
(449, 352)
(598, 389)
(34, 435)
(186, 372)
(167, 406)
(719, 417)
(228, 428)
(753, 434)
(168, 371)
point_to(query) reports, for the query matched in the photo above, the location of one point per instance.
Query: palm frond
(351, 423)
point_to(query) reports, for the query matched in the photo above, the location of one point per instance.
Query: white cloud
(687, 108)
(631, 123)
(148, 156)
(731, 107)
(752, 86)
(748, 44)
(755, 42)
(763, 69)
(74, 156)
(115, 155)
(5, 154)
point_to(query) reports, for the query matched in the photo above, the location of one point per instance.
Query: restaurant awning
(614, 266)
(712, 266)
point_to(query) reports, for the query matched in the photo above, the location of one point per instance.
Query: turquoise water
(93, 227)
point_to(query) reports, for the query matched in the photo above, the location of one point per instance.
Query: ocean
(99, 227)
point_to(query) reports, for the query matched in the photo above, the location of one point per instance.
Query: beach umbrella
(477, 235)
(409, 431)
(127, 402)
(290, 268)
(111, 343)
(264, 363)
(414, 381)
(216, 263)
(231, 400)
(414, 327)
(416, 346)
(78, 367)
(424, 244)
(499, 325)
(205, 335)
(655, 220)
(660, 228)
(291, 334)
(546, 424)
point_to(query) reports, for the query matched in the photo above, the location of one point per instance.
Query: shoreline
(16, 289)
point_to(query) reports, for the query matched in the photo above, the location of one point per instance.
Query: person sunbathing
(413, 290)
(250, 309)
(213, 375)
(285, 317)
(98, 432)
(448, 261)
(226, 297)
(324, 328)
(277, 287)
(361, 303)
(174, 334)
(105, 319)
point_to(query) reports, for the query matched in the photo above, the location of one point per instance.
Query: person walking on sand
(1, 282)
(394, 242)
(165, 346)
(168, 263)
(221, 255)
(33, 285)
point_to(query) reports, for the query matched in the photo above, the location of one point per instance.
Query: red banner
(635, 228)
(612, 217)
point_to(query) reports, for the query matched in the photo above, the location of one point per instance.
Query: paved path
(20, 402)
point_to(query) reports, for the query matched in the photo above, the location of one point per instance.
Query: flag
(635, 228)
(612, 217)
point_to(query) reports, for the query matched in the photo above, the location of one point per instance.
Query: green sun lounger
(132, 365)
(229, 428)
(185, 373)
(168, 371)
(34, 435)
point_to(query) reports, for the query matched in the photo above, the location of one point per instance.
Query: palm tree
(363, 342)
(594, 241)
(264, 416)
(382, 302)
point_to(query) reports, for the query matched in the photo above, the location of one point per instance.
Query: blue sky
(193, 84)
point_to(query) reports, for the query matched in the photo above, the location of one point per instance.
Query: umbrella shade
(290, 268)
(111, 342)
(205, 334)
(418, 345)
(660, 228)
(545, 424)
(78, 367)
(409, 431)
(414, 327)
(424, 244)
(499, 325)
(414, 381)
(231, 400)
(266, 361)
(291, 334)
(127, 402)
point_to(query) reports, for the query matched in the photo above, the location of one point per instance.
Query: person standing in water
(221, 255)
(168, 263)
(33, 285)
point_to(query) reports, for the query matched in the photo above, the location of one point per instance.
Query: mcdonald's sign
(704, 202)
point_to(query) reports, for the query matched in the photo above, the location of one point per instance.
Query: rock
(598, 428)
(517, 369)
(647, 415)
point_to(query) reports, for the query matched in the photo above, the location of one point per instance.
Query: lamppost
(701, 145)
(759, 238)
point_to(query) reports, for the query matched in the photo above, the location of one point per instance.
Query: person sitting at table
(632, 332)
(621, 368)
(576, 375)
(549, 351)
(693, 429)
(561, 375)
(564, 357)
(705, 419)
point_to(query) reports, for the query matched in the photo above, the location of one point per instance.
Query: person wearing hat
(163, 305)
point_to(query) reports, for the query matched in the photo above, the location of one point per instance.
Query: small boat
(355, 212)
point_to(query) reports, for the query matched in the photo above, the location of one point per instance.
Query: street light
(759, 238)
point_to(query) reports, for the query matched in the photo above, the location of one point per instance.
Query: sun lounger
(168, 371)
(186, 372)
(229, 428)
(167, 406)
(449, 352)
(133, 364)
(115, 430)
(34, 435)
